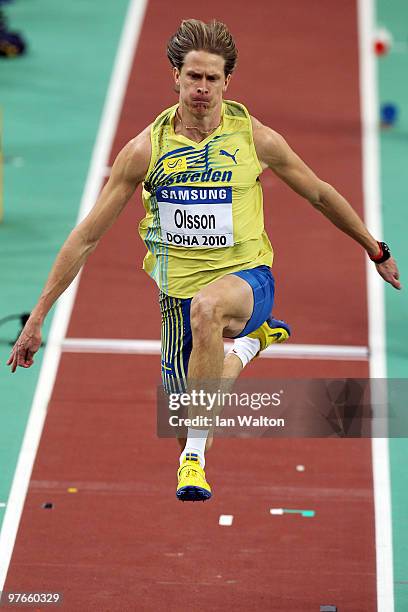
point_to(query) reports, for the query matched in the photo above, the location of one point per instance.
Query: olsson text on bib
(199, 217)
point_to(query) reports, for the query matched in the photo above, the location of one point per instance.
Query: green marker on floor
(280, 511)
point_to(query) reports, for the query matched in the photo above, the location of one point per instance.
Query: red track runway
(123, 542)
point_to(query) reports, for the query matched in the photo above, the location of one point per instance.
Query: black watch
(383, 255)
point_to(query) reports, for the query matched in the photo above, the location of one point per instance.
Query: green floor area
(51, 101)
(393, 88)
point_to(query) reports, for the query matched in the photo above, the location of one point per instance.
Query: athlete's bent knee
(206, 314)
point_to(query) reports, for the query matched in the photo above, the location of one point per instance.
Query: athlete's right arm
(127, 173)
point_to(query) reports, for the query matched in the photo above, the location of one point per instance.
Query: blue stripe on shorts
(263, 289)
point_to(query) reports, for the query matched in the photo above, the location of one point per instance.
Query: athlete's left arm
(274, 152)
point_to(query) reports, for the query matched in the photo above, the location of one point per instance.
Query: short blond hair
(195, 35)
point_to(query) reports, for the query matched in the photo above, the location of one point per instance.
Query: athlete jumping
(199, 163)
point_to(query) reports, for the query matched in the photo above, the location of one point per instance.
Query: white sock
(196, 439)
(245, 348)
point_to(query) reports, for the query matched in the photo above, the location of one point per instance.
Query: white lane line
(2, 505)
(375, 294)
(225, 520)
(152, 347)
(96, 173)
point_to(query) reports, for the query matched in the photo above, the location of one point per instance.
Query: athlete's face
(201, 82)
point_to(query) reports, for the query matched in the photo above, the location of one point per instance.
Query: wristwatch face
(386, 253)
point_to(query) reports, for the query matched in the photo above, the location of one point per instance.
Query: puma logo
(232, 156)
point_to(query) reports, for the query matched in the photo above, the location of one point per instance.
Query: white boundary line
(375, 293)
(100, 154)
(152, 347)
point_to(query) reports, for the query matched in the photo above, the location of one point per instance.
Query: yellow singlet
(203, 202)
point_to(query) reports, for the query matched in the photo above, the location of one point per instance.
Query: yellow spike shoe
(271, 332)
(192, 485)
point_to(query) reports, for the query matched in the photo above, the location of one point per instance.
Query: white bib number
(198, 217)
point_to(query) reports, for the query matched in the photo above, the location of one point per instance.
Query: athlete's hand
(389, 272)
(26, 346)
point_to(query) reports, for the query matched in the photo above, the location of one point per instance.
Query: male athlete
(207, 249)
